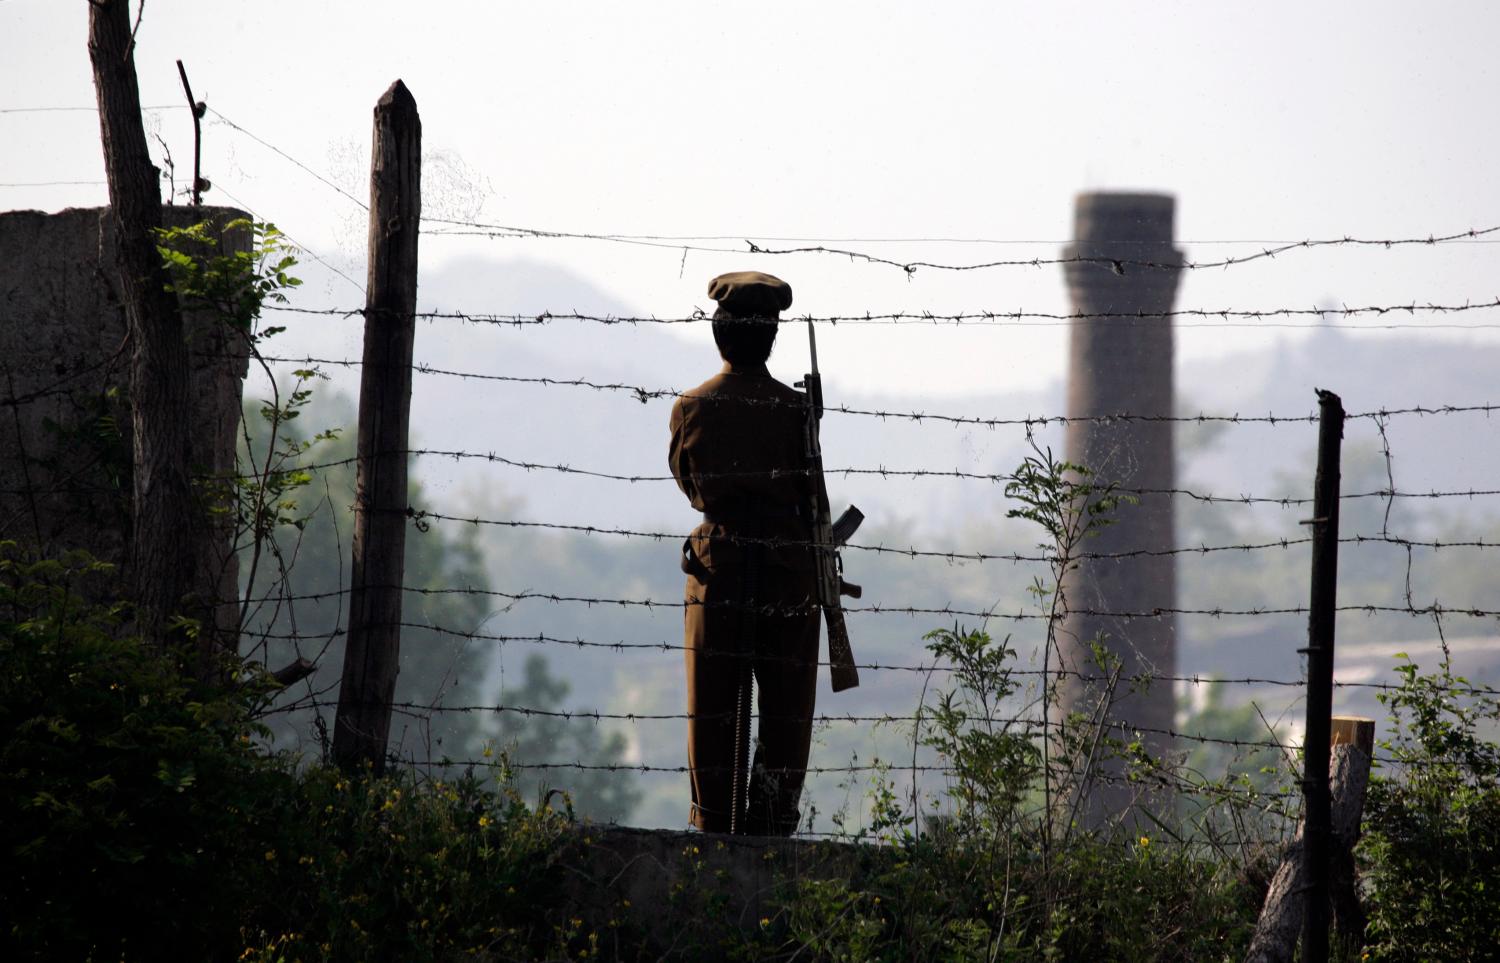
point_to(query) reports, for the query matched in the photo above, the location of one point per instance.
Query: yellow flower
(270, 855)
(765, 921)
(484, 821)
(1145, 840)
(488, 752)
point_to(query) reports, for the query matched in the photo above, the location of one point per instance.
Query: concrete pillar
(1119, 363)
(65, 448)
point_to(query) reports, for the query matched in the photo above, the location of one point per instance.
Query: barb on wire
(1436, 608)
(955, 555)
(644, 393)
(1027, 724)
(497, 231)
(1162, 779)
(1214, 317)
(664, 646)
(1118, 264)
(947, 555)
(597, 715)
(997, 478)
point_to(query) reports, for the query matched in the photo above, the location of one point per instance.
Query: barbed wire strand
(1012, 318)
(1118, 264)
(643, 394)
(623, 646)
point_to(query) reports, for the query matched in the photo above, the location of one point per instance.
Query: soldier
(738, 454)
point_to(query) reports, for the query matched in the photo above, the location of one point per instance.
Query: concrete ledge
(687, 892)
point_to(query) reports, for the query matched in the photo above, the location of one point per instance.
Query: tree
(164, 553)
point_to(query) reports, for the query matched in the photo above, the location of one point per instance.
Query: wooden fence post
(1322, 610)
(1300, 890)
(372, 655)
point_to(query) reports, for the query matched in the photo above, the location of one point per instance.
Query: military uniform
(738, 454)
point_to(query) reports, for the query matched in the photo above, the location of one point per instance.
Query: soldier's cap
(751, 293)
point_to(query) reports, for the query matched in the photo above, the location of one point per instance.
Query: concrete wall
(65, 478)
(1123, 364)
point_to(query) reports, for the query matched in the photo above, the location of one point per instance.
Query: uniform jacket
(738, 454)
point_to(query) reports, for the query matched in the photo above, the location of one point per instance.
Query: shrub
(1430, 854)
(140, 819)
(118, 783)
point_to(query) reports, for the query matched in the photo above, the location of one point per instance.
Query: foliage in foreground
(993, 876)
(1430, 855)
(139, 820)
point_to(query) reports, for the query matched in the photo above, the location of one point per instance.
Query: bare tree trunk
(161, 559)
(372, 655)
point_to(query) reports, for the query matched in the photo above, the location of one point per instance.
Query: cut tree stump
(1281, 916)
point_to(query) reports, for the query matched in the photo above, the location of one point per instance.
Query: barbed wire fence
(1382, 498)
(894, 677)
(1436, 611)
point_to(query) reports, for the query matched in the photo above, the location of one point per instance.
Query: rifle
(828, 535)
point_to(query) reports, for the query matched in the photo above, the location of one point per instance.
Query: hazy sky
(1269, 121)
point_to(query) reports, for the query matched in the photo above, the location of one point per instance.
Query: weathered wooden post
(1300, 891)
(372, 655)
(1352, 742)
(1322, 610)
(1281, 917)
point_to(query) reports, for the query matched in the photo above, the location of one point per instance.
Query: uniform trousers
(721, 632)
